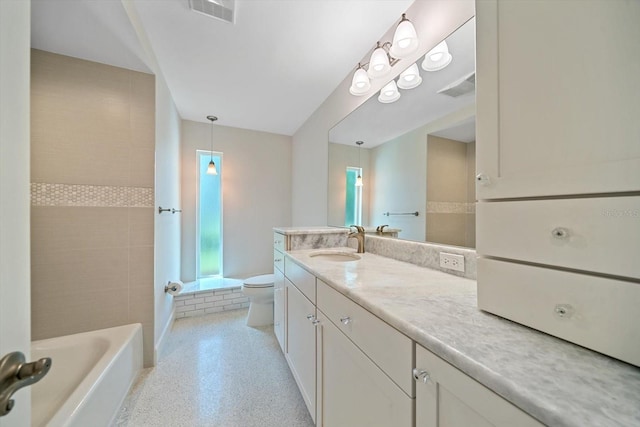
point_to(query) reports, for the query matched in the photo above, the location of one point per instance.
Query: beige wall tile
(148, 344)
(141, 226)
(448, 229)
(141, 304)
(141, 167)
(446, 170)
(140, 266)
(142, 110)
(57, 315)
(67, 228)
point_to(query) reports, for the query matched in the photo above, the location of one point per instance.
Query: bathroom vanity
(379, 342)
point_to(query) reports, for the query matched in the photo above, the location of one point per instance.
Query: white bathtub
(90, 376)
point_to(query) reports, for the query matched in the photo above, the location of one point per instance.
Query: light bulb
(211, 169)
(405, 39)
(360, 83)
(437, 58)
(410, 78)
(389, 93)
(379, 63)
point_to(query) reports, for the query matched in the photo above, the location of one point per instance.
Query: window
(353, 202)
(209, 216)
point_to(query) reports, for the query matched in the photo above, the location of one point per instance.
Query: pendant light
(405, 39)
(379, 65)
(359, 178)
(437, 58)
(360, 84)
(389, 93)
(211, 169)
(410, 78)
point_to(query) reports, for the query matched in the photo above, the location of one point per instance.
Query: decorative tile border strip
(45, 194)
(451, 207)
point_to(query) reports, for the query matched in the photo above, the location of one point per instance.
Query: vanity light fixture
(389, 93)
(410, 78)
(437, 58)
(359, 177)
(211, 169)
(384, 56)
(405, 39)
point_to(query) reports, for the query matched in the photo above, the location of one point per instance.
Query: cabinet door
(353, 391)
(557, 97)
(445, 397)
(279, 321)
(301, 344)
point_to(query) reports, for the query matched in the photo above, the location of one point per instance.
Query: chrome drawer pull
(278, 259)
(345, 320)
(560, 233)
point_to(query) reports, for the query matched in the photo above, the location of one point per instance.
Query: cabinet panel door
(279, 307)
(449, 398)
(557, 109)
(354, 391)
(301, 344)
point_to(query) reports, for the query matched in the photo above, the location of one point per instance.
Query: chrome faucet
(380, 228)
(359, 235)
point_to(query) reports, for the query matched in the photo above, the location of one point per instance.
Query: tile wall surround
(199, 303)
(92, 197)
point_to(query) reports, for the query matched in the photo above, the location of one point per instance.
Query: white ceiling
(375, 123)
(269, 71)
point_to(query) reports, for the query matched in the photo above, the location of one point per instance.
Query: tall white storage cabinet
(558, 164)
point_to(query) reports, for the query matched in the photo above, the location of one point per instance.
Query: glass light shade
(379, 64)
(389, 93)
(360, 83)
(211, 169)
(410, 78)
(359, 181)
(405, 39)
(437, 58)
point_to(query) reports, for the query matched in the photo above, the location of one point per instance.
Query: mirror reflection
(417, 157)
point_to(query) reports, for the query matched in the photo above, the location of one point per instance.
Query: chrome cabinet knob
(564, 311)
(315, 322)
(345, 320)
(483, 179)
(421, 375)
(278, 259)
(560, 233)
(311, 317)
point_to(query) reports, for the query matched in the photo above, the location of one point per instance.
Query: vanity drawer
(388, 348)
(595, 234)
(301, 278)
(279, 242)
(278, 260)
(595, 312)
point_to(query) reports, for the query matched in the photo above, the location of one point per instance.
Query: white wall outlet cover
(452, 261)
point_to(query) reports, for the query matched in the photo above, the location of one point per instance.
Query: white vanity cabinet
(300, 289)
(279, 309)
(557, 98)
(558, 168)
(446, 397)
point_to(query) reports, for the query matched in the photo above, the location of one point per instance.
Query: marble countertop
(559, 383)
(310, 230)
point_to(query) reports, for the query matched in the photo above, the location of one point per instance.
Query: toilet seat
(262, 281)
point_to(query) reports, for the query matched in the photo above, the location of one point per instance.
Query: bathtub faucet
(15, 374)
(359, 236)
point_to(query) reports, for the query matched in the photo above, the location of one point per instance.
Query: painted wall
(167, 194)
(450, 191)
(342, 156)
(256, 188)
(92, 197)
(15, 322)
(434, 20)
(400, 184)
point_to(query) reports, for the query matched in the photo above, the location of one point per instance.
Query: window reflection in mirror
(419, 155)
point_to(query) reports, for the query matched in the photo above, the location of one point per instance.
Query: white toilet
(259, 290)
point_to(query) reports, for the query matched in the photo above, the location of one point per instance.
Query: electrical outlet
(452, 261)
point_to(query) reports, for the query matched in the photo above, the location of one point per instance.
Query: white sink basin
(335, 256)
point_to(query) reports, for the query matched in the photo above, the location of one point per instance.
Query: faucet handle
(380, 228)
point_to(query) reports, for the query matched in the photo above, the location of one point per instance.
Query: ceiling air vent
(460, 87)
(219, 9)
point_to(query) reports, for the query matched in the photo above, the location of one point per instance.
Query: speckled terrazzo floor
(216, 371)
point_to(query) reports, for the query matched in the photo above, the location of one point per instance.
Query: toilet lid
(263, 281)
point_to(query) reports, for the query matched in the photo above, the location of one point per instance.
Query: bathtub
(90, 376)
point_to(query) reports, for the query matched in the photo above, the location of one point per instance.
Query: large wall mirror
(417, 159)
